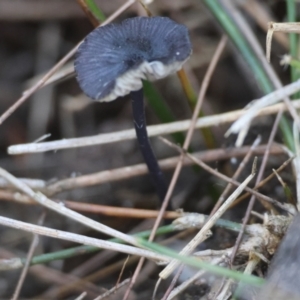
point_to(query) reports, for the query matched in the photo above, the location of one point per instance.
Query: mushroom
(113, 60)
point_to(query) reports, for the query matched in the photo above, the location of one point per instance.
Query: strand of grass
(113, 290)
(8, 193)
(238, 39)
(81, 296)
(259, 53)
(202, 234)
(221, 14)
(87, 10)
(258, 179)
(192, 98)
(297, 163)
(191, 220)
(172, 284)
(195, 220)
(28, 259)
(287, 27)
(284, 125)
(62, 210)
(230, 180)
(188, 282)
(153, 130)
(286, 189)
(249, 279)
(16, 263)
(95, 10)
(293, 39)
(264, 101)
(294, 63)
(251, 41)
(263, 182)
(81, 239)
(236, 175)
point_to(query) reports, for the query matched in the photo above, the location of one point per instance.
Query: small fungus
(113, 60)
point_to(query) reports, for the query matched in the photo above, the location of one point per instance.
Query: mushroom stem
(144, 143)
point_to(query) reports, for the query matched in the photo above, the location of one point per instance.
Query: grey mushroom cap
(113, 59)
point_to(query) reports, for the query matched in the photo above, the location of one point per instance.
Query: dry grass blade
(190, 247)
(65, 72)
(260, 13)
(81, 296)
(260, 196)
(135, 170)
(296, 162)
(261, 103)
(236, 174)
(39, 84)
(258, 179)
(184, 285)
(33, 246)
(113, 290)
(267, 179)
(279, 27)
(44, 201)
(81, 239)
(256, 47)
(153, 130)
(131, 171)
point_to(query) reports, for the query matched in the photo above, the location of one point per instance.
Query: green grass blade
(80, 250)
(250, 57)
(197, 263)
(94, 9)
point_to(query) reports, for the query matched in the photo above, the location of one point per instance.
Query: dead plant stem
(258, 179)
(176, 173)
